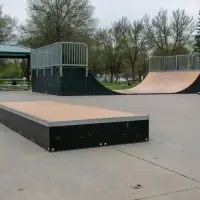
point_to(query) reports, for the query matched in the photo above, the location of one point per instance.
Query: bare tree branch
(110, 46)
(58, 20)
(166, 35)
(132, 37)
(182, 26)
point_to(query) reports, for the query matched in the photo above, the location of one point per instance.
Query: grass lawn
(117, 86)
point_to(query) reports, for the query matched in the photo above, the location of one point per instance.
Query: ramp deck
(59, 126)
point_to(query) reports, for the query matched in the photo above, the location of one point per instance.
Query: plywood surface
(165, 82)
(56, 112)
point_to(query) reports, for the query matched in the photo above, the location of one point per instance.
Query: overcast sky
(110, 10)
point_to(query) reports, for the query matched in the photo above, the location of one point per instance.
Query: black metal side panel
(95, 135)
(31, 130)
(80, 81)
(96, 88)
(38, 82)
(74, 81)
(53, 81)
(45, 82)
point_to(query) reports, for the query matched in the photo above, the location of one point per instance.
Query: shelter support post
(28, 70)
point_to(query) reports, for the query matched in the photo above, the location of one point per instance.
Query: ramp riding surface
(168, 83)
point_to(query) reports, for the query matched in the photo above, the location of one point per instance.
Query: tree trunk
(111, 77)
(133, 73)
(26, 69)
(140, 77)
(117, 78)
(111, 71)
(94, 70)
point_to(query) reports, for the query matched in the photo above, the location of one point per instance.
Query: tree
(197, 38)
(183, 27)
(7, 30)
(96, 63)
(131, 36)
(166, 36)
(7, 27)
(24, 67)
(111, 51)
(142, 65)
(53, 21)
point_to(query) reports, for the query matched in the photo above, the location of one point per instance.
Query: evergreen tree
(197, 38)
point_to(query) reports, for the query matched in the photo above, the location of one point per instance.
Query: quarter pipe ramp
(168, 83)
(75, 82)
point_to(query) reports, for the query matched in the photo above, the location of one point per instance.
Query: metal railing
(74, 54)
(60, 54)
(14, 84)
(174, 63)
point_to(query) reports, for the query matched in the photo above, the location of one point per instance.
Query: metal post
(61, 61)
(47, 54)
(149, 63)
(74, 56)
(86, 55)
(86, 75)
(64, 54)
(79, 56)
(86, 61)
(177, 63)
(164, 63)
(61, 53)
(61, 71)
(51, 71)
(29, 70)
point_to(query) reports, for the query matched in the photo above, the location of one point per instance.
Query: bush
(11, 70)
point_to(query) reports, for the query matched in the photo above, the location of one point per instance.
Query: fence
(14, 84)
(174, 63)
(60, 54)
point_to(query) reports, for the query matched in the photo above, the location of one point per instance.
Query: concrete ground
(166, 168)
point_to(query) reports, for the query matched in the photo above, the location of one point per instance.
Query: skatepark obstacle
(62, 69)
(60, 126)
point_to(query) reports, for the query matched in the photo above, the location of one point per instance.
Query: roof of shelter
(10, 51)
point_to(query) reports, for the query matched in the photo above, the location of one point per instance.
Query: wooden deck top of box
(52, 113)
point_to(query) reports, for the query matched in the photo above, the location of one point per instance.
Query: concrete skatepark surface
(166, 168)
